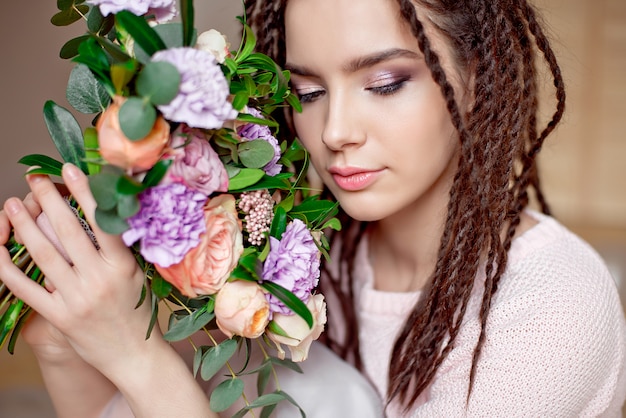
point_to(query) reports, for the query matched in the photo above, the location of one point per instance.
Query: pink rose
(118, 150)
(300, 335)
(205, 268)
(195, 163)
(242, 309)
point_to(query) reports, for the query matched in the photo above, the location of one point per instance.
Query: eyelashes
(310, 95)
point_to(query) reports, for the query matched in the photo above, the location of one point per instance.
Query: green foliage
(65, 133)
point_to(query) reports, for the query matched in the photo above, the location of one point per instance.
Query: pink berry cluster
(258, 207)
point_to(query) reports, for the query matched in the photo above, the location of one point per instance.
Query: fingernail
(71, 171)
(34, 178)
(12, 206)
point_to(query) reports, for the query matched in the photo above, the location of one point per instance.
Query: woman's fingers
(112, 247)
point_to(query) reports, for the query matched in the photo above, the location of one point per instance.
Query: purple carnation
(294, 263)
(169, 223)
(251, 131)
(163, 10)
(202, 100)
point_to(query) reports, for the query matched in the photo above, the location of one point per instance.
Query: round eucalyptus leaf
(110, 222)
(137, 118)
(225, 394)
(256, 153)
(159, 82)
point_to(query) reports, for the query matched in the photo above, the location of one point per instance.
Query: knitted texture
(555, 338)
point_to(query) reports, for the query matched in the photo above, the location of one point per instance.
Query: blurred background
(583, 169)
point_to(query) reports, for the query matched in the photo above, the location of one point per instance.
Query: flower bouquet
(184, 163)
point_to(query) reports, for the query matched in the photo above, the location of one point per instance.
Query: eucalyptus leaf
(159, 82)
(95, 20)
(286, 363)
(245, 177)
(267, 399)
(197, 360)
(70, 48)
(188, 325)
(216, 357)
(84, 92)
(47, 165)
(66, 134)
(110, 222)
(266, 412)
(127, 206)
(263, 377)
(256, 153)
(137, 118)
(226, 394)
(102, 187)
(69, 16)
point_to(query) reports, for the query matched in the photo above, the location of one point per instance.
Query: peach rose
(118, 150)
(205, 268)
(300, 335)
(242, 309)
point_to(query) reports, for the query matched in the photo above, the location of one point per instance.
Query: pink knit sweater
(555, 338)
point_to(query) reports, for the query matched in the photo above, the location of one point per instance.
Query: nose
(342, 127)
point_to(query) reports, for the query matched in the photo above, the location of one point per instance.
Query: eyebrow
(360, 62)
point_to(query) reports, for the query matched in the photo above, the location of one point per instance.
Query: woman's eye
(389, 88)
(310, 96)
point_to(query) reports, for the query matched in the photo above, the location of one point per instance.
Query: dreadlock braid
(496, 42)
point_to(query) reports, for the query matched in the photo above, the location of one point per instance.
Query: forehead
(348, 27)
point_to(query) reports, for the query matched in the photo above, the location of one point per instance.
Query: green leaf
(137, 27)
(266, 412)
(286, 363)
(197, 360)
(333, 223)
(279, 223)
(290, 300)
(103, 188)
(137, 118)
(240, 100)
(129, 186)
(159, 82)
(127, 206)
(189, 325)
(70, 48)
(245, 177)
(226, 394)
(256, 153)
(216, 357)
(267, 399)
(248, 45)
(84, 92)
(48, 164)
(263, 377)
(95, 20)
(66, 134)
(187, 14)
(292, 401)
(8, 320)
(110, 222)
(156, 173)
(69, 16)
(160, 287)
(274, 328)
(170, 33)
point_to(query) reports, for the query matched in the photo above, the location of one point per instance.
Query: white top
(555, 337)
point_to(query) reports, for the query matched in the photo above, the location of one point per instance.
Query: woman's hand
(91, 299)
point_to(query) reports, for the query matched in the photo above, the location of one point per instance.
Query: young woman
(445, 291)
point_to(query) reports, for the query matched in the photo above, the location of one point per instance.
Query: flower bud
(214, 42)
(242, 309)
(300, 336)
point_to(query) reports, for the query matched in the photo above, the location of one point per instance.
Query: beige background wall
(583, 165)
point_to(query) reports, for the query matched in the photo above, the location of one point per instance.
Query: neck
(403, 248)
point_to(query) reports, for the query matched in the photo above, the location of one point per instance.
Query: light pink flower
(241, 309)
(120, 151)
(214, 42)
(195, 163)
(300, 335)
(205, 268)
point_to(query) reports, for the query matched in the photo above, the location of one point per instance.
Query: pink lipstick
(354, 179)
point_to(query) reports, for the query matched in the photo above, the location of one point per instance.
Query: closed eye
(310, 96)
(388, 89)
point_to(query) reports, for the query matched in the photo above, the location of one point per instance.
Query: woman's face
(373, 119)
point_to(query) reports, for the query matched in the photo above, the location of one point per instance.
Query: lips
(353, 178)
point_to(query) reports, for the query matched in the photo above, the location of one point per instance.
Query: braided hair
(498, 43)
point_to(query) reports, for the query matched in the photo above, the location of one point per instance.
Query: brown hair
(498, 42)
